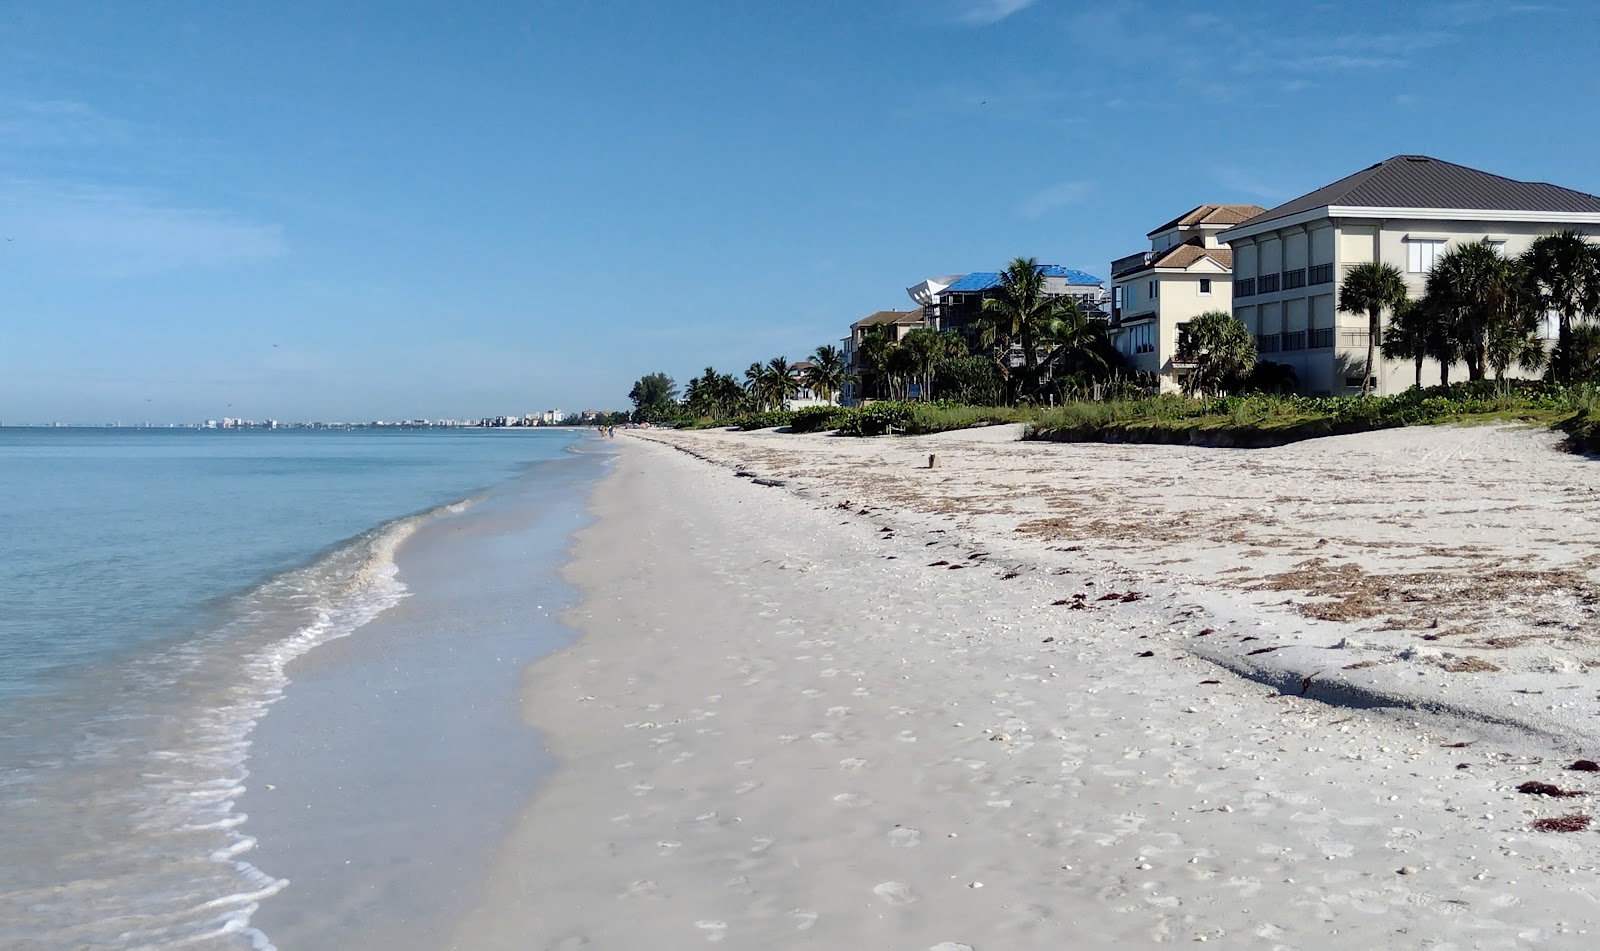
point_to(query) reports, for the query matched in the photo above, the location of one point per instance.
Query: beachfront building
(1155, 293)
(957, 304)
(1404, 211)
(865, 383)
(804, 396)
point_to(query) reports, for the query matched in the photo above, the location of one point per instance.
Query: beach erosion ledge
(861, 709)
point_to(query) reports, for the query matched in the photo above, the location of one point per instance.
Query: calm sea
(153, 585)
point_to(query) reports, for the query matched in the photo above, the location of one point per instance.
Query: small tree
(1371, 288)
(1222, 351)
(1408, 335)
(653, 396)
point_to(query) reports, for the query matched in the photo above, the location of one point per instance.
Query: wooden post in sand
(933, 461)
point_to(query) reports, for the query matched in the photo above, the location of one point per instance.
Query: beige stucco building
(1155, 293)
(1404, 211)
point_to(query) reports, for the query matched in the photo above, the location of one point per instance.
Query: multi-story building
(1155, 293)
(956, 305)
(1404, 211)
(864, 383)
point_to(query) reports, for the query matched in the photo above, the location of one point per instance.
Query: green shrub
(814, 419)
(877, 418)
(764, 420)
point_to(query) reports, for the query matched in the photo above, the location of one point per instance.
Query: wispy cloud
(985, 12)
(57, 123)
(1046, 200)
(102, 231)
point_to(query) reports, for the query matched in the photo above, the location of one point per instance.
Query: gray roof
(1418, 181)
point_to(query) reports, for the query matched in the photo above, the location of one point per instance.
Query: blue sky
(360, 210)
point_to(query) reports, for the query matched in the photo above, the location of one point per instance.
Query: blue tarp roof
(984, 280)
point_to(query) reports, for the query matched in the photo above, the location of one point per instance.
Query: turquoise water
(153, 584)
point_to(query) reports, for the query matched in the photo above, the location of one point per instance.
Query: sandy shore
(793, 721)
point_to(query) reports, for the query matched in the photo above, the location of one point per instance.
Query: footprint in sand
(851, 799)
(895, 893)
(905, 838)
(838, 712)
(715, 930)
(803, 920)
(852, 763)
(745, 787)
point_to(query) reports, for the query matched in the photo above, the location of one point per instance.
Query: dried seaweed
(1573, 822)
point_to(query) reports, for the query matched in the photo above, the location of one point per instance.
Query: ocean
(155, 585)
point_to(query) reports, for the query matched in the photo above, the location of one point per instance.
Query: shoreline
(377, 788)
(780, 727)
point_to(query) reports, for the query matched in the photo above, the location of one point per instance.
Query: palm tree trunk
(1419, 371)
(1561, 369)
(1372, 347)
(1444, 373)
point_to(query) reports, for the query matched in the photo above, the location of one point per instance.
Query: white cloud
(101, 231)
(1046, 200)
(984, 12)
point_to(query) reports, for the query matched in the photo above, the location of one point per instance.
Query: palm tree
(1221, 349)
(1074, 345)
(924, 348)
(1407, 337)
(752, 384)
(828, 373)
(1513, 337)
(1564, 271)
(1583, 358)
(1477, 292)
(1369, 288)
(1015, 317)
(873, 353)
(778, 382)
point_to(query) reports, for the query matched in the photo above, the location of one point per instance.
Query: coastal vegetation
(1035, 358)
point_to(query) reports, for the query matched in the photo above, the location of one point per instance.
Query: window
(1420, 255)
(1155, 289)
(1322, 339)
(1294, 278)
(1245, 287)
(1266, 343)
(1322, 274)
(1205, 285)
(1268, 283)
(1142, 338)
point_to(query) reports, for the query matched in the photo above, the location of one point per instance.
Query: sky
(302, 210)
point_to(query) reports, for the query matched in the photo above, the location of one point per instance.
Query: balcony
(1322, 339)
(1321, 274)
(1131, 263)
(1294, 278)
(1244, 287)
(1266, 343)
(1269, 283)
(1294, 340)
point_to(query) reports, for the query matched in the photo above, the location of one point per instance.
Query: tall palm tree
(828, 373)
(1371, 288)
(752, 384)
(1407, 337)
(1475, 290)
(924, 348)
(1564, 271)
(778, 382)
(1074, 344)
(1222, 351)
(873, 353)
(1015, 316)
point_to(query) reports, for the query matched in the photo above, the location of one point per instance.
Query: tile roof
(1211, 214)
(1185, 254)
(889, 317)
(1418, 181)
(984, 280)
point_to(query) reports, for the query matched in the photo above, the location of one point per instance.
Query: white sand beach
(865, 709)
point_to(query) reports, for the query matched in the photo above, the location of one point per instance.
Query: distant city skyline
(356, 212)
